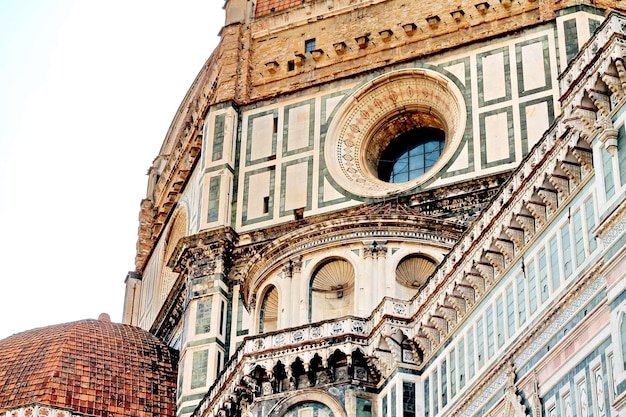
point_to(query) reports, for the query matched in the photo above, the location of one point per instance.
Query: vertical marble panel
(599, 392)
(296, 186)
(261, 137)
(532, 60)
(496, 134)
(536, 117)
(258, 199)
(299, 128)
(494, 82)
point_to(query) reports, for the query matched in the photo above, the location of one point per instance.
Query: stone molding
(354, 131)
(40, 410)
(409, 228)
(562, 158)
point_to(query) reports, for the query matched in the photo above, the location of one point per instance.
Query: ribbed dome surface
(91, 367)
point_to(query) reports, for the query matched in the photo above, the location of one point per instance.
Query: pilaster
(299, 314)
(205, 264)
(218, 160)
(132, 297)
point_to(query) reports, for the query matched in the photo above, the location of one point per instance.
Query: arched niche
(331, 288)
(268, 310)
(414, 269)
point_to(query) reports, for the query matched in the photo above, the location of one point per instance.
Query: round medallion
(395, 132)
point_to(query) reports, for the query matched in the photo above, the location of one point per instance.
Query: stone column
(298, 311)
(385, 279)
(286, 320)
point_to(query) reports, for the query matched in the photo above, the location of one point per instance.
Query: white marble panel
(496, 137)
(532, 66)
(258, 189)
(298, 128)
(458, 70)
(494, 77)
(262, 137)
(331, 103)
(296, 186)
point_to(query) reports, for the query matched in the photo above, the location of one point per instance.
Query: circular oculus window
(395, 132)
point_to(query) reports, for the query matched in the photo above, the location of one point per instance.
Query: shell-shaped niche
(413, 270)
(334, 275)
(332, 291)
(269, 311)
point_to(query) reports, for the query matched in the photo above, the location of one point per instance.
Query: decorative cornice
(613, 225)
(41, 410)
(535, 338)
(179, 154)
(341, 231)
(187, 248)
(520, 210)
(196, 248)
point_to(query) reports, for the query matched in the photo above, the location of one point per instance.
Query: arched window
(268, 317)
(411, 154)
(308, 409)
(332, 290)
(413, 270)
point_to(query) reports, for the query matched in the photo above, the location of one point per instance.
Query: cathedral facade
(395, 209)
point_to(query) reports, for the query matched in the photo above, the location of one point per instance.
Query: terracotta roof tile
(90, 366)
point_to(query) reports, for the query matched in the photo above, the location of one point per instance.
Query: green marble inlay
(214, 199)
(482, 82)
(467, 141)
(297, 182)
(510, 138)
(621, 154)
(199, 368)
(219, 167)
(310, 127)
(593, 25)
(571, 39)
(547, 79)
(218, 137)
(203, 316)
(204, 342)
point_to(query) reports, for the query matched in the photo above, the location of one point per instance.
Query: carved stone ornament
(355, 134)
(514, 406)
(535, 400)
(296, 264)
(608, 134)
(396, 349)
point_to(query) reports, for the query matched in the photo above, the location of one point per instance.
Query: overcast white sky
(88, 89)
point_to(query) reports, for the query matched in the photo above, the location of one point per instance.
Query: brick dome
(90, 367)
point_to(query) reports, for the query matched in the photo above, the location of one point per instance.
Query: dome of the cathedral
(92, 367)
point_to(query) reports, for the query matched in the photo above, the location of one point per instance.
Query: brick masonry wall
(275, 39)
